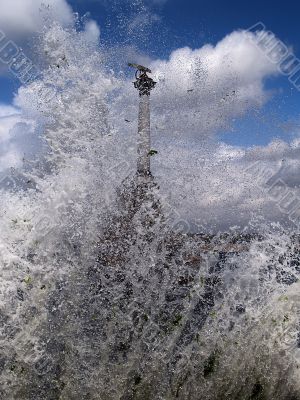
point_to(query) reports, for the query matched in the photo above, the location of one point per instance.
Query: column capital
(144, 84)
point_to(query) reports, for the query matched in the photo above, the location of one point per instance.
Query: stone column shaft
(143, 145)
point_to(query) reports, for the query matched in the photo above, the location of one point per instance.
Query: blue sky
(179, 23)
(193, 23)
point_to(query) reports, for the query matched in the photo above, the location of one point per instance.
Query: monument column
(144, 141)
(144, 84)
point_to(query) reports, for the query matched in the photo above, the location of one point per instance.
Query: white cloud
(200, 91)
(218, 186)
(7, 110)
(9, 116)
(210, 85)
(23, 20)
(16, 137)
(18, 17)
(208, 181)
(92, 32)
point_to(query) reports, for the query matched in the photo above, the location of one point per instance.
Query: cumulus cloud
(217, 186)
(17, 139)
(92, 32)
(199, 93)
(212, 84)
(19, 17)
(23, 20)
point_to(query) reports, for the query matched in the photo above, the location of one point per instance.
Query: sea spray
(100, 297)
(49, 229)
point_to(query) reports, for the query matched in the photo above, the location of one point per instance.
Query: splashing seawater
(100, 299)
